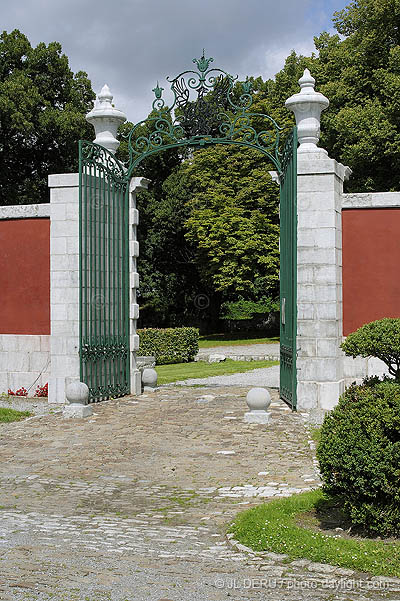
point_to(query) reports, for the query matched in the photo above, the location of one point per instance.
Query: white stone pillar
(319, 282)
(64, 284)
(320, 373)
(136, 183)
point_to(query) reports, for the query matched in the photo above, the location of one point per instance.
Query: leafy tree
(233, 221)
(358, 69)
(182, 280)
(42, 116)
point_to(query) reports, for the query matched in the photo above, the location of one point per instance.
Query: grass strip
(11, 415)
(202, 369)
(271, 527)
(211, 340)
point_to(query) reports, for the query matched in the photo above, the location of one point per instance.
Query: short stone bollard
(77, 394)
(149, 379)
(258, 400)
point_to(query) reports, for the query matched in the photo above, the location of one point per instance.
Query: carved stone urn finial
(106, 119)
(307, 106)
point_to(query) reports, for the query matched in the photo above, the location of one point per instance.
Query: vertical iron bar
(114, 304)
(103, 248)
(294, 262)
(126, 289)
(81, 187)
(109, 283)
(94, 296)
(118, 362)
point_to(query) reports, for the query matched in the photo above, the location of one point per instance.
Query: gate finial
(307, 106)
(106, 119)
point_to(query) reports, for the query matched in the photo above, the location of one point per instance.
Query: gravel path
(260, 350)
(268, 376)
(258, 377)
(133, 504)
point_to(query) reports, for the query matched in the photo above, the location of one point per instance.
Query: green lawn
(272, 527)
(202, 369)
(235, 339)
(11, 415)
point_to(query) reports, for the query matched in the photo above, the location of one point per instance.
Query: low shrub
(169, 345)
(359, 455)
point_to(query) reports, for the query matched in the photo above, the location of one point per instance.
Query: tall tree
(42, 116)
(234, 221)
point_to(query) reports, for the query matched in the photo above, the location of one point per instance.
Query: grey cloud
(129, 44)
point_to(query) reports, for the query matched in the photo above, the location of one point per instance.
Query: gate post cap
(106, 119)
(307, 106)
(77, 393)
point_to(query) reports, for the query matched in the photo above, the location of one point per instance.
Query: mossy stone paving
(133, 503)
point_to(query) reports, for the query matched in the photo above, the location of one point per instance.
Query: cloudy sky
(129, 44)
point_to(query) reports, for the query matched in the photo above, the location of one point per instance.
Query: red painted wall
(371, 266)
(25, 276)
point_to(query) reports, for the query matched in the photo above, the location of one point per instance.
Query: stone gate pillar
(320, 180)
(64, 283)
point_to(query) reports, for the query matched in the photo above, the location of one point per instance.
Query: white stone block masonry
(24, 362)
(320, 369)
(320, 325)
(64, 283)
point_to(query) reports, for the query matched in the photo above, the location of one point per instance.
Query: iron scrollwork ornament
(214, 115)
(97, 351)
(102, 161)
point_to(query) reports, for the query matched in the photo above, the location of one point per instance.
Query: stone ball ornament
(77, 393)
(258, 399)
(149, 377)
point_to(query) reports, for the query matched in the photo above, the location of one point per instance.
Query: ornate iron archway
(220, 113)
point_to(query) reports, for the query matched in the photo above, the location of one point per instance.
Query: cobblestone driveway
(133, 503)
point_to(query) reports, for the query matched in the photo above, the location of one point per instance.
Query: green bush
(245, 309)
(359, 455)
(379, 339)
(169, 345)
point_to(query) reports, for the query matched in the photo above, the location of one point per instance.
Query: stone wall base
(355, 370)
(24, 361)
(321, 396)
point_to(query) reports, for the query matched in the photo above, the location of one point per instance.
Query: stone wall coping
(139, 183)
(371, 200)
(319, 164)
(71, 180)
(25, 211)
(63, 180)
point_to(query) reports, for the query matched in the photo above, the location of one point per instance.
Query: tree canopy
(358, 69)
(42, 116)
(209, 221)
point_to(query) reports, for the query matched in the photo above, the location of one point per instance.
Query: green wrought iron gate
(221, 113)
(104, 273)
(288, 272)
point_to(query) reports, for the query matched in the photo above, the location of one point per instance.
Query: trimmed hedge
(169, 345)
(359, 455)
